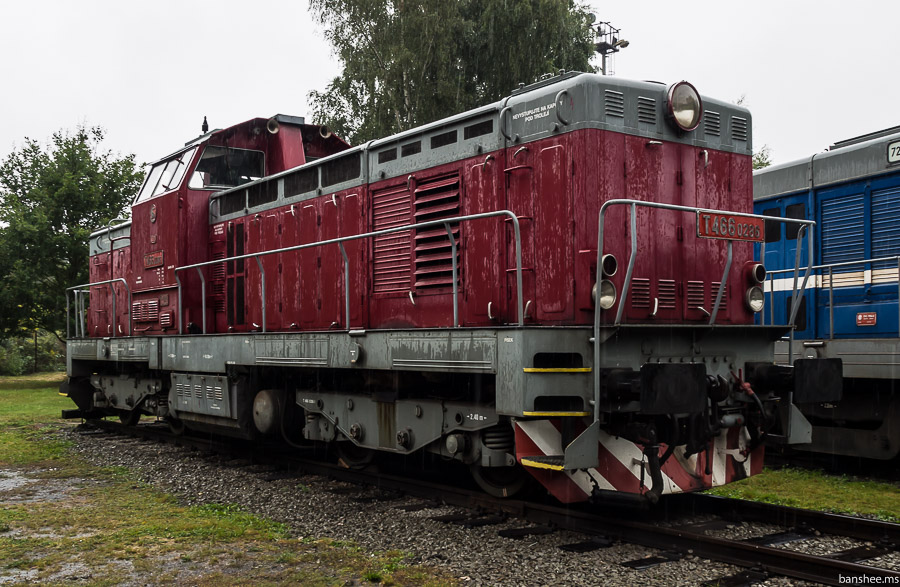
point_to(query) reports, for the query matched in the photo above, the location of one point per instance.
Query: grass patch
(816, 490)
(71, 515)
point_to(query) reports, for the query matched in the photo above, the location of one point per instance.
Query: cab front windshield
(225, 167)
(218, 168)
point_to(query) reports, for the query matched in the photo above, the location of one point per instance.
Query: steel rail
(779, 561)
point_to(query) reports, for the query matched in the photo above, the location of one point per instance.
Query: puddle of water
(10, 480)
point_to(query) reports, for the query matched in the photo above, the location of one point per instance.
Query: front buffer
(676, 409)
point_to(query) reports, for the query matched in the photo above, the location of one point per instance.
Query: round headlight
(755, 298)
(685, 106)
(607, 294)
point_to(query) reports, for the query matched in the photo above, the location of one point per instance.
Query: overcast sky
(812, 72)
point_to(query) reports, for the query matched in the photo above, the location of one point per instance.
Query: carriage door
(781, 253)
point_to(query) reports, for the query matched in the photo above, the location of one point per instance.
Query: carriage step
(552, 462)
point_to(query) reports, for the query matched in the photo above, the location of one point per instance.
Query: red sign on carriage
(866, 318)
(730, 227)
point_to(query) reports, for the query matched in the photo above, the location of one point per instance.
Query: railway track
(689, 524)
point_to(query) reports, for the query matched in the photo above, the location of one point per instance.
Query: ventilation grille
(391, 252)
(436, 199)
(145, 311)
(640, 293)
(696, 294)
(217, 283)
(714, 291)
(165, 319)
(739, 128)
(647, 110)
(666, 298)
(712, 123)
(614, 103)
(183, 389)
(214, 392)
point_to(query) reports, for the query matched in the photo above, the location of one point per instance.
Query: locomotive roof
(561, 103)
(849, 160)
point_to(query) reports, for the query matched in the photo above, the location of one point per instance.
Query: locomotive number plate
(154, 259)
(893, 152)
(730, 227)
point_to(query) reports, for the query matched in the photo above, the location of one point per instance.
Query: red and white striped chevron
(622, 465)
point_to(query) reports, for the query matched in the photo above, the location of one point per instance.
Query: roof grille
(666, 290)
(712, 123)
(739, 128)
(640, 293)
(614, 103)
(647, 110)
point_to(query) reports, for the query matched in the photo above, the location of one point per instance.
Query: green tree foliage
(762, 157)
(51, 198)
(410, 62)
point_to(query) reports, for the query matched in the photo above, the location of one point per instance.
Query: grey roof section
(856, 161)
(557, 104)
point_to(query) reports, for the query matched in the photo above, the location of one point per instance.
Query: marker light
(607, 294)
(755, 298)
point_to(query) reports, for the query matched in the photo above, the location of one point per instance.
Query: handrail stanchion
(113, 291)
(262, 277)
(202, 296)
(520, 293)
(898, 296)
(722, 283)
(455, 286)
(79, 301)
(830, 304)
(631, 260)
(346, 284)
(180, 320)
(67, 317)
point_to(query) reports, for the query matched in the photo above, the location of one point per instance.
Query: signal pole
(607, 44)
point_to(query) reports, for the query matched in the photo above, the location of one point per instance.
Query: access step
(552, 462)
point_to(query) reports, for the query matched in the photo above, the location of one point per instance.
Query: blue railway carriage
(852, 191)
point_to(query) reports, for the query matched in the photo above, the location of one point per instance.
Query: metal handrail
(339, 241)
(633, 204)
(830, 267)
(80, 310)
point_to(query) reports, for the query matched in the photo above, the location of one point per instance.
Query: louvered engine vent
(436, 199)
(712, 123)
(640, 292)
(614, 103)
(646, 109)
(739, 128)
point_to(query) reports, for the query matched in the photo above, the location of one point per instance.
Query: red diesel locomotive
(560, 283)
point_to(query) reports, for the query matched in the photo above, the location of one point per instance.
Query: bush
(17, 355)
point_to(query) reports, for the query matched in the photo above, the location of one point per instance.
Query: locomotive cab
(170, 215)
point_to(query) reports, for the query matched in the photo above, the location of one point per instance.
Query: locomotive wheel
(129, 417)
(176, 426)
(353, 456)
(499, 481)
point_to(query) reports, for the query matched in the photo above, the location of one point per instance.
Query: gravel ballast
(317, 507)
